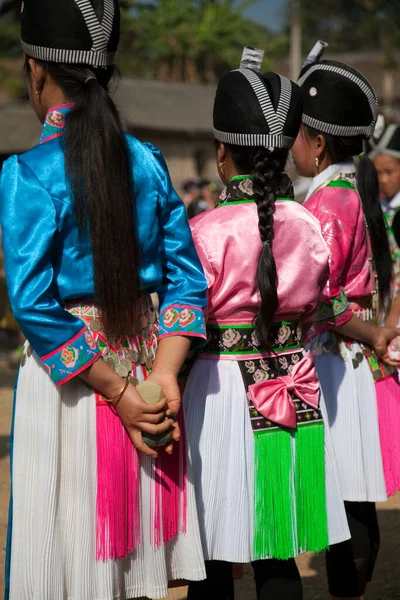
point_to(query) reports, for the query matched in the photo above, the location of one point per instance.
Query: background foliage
(197, 40)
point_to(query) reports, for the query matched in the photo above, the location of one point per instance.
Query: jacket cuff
(332, 309)
(179, 319)
(73, 357)
(332, 313)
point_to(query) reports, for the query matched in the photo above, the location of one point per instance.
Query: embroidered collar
(391, 206)
(343, 170)
(54, 123)
(240, 190)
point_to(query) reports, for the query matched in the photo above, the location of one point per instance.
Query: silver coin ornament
(126, 364)
(95, 325)
(134, 356)
(121, 370)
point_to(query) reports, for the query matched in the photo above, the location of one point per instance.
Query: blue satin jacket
(47, 263)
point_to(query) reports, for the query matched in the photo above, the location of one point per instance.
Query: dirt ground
(385, 585)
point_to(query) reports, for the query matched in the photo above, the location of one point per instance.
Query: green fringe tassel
(311, 514)
(274, 527)
(290, 495)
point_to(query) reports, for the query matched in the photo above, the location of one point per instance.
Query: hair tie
(89, 78)
(266, 243)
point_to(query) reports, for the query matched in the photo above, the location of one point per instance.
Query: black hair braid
(268, 184)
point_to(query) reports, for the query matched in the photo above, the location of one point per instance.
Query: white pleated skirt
(221, 453)
(350, 411)
(53, 542)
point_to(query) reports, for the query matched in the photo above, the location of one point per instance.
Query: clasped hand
(137, 416)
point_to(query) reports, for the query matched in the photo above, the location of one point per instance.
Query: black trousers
(350, 565)
(274, 579)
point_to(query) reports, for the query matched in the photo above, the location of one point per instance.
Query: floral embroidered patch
(242, 339)
(333, 309)
(54, 123)
(69, 356)
(182, 320)
(73, 357)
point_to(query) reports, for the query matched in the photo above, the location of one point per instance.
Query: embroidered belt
(241, 340)
(282, 387)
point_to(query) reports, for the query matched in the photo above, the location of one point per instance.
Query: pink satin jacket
(229, 246)
(338, 208)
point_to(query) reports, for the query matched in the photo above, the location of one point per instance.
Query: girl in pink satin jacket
(266, 482)
(340, 111)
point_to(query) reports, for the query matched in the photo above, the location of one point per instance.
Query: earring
(316, 161)
(221, 167)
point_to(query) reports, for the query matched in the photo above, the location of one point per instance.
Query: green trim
(333, 309)
(244, 201)
(214, 326)
(342, 183)
(237, 177)
(249, 200)
(251, 352)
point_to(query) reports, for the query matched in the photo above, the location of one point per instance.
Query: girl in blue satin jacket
(91, 227)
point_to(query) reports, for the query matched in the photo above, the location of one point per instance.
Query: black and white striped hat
(71, 31)
(257, 110)
(338, 99)
(386, 141)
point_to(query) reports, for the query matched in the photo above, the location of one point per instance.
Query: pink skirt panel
(388, 399)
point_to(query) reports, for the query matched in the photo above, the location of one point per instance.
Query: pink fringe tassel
(388, 399)
(118, 499)
(170, 491)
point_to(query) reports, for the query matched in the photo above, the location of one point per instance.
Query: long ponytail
(269, 183)
(99, 171)
(368, 188)
(342, 149)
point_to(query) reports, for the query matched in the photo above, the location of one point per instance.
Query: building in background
(175, 117)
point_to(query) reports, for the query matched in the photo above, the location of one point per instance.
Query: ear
(320, 145)
(38, 75)
(221, 152)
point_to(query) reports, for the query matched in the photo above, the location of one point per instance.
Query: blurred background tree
(189, 40)
(198, 40)
(353, 26)
(178, 40)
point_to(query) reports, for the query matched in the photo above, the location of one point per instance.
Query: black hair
(269, 183)
(341, 149)
(99, 170)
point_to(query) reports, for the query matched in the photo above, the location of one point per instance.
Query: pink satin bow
(273, 401)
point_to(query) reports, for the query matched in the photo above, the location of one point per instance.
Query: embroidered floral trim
(242, 339)
(240, 189)
(71, 358)
(126, 354)
(182, 320)
(260, 369)
(54, 122)
(331, 310)
(236, 339)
